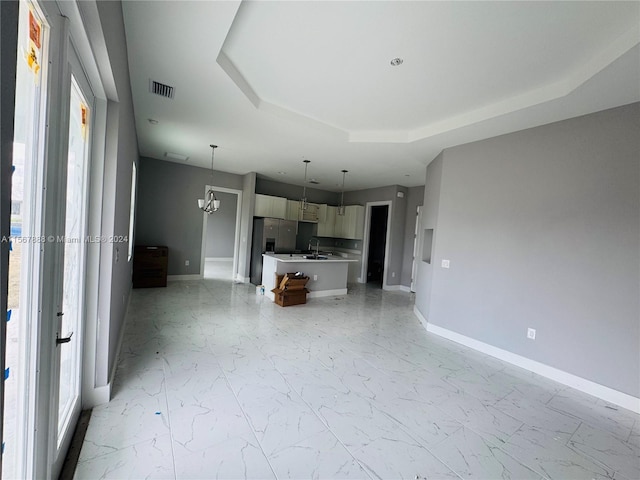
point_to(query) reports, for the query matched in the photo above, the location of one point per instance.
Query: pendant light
(341, 207)
(210, 203)
(303, 201)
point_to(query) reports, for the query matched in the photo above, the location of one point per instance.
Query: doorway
(377, 245)
(221, 237)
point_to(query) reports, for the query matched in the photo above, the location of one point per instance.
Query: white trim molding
(397, 288)
(587, 386)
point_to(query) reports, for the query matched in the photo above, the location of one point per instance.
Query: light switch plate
(445, 263)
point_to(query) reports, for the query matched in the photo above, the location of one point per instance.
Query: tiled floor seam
(244, 413)
(166, 399)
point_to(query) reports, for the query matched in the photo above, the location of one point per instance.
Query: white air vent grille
(160, 89)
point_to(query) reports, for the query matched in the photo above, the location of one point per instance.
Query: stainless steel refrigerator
(270, 235)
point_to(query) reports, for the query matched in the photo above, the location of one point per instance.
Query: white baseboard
(327, 293)
(397, 288)
(423, 320)
(240, 279)
(587, 386)
(173, 278)
(219, 259)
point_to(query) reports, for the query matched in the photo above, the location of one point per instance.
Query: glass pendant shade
(341, 209)
(303, 201)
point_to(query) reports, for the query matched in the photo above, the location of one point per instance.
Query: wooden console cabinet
(150, 266)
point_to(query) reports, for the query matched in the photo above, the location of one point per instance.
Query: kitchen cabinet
(351, 224)
(310, 214)
(293, 210)
(327, 221)
(270, 206)
(354, 221)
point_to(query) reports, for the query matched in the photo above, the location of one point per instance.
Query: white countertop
(299, 258)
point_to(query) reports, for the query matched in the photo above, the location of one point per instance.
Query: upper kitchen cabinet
(327, 220)
(351, 224)
(293, 210)
(310, 214)
(270, 206)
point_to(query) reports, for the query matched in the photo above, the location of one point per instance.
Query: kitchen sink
(316, 257)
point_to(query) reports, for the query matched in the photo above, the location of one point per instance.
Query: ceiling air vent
(160, 89)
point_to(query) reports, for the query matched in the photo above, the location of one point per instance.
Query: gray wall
(431, 206)
(117, 189)
(396, 223)
(414, 197)
(294, 192)
(168, 214)
(221, 227)
(542, 230)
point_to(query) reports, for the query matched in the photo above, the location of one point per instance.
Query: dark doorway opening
(377, 244)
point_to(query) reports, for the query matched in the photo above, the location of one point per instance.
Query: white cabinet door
(354, 221)
(327, 221)
(310, 214)
(270, 206)
(339, 230)
(293, 210)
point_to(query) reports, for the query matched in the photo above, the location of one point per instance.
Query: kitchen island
(327, 274)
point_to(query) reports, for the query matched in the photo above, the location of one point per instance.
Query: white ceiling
(275, 82)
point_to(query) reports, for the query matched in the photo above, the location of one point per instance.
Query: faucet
(317, 245)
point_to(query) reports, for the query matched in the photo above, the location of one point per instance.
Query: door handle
(64, 339)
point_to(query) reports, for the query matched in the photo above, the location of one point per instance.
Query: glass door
(72, 274)
(54, 105)
(73, 266)
(25, 240)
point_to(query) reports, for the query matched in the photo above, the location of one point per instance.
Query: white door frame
(365, 241)
(236, 243)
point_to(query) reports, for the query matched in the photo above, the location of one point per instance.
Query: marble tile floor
(216, 382)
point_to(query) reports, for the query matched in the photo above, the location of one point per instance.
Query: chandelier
(210, 203)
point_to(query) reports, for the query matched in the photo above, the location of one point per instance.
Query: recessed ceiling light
(153, 121)
(282, 173)
(396, 61)
(176, 156)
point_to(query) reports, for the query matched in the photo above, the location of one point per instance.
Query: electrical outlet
(315, 277)
(186, 263)
(531, 333)
(445, 263)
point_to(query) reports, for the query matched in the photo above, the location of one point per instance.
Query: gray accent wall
(294, 192)
(221, 227)
(168, 213)
(542, 230)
